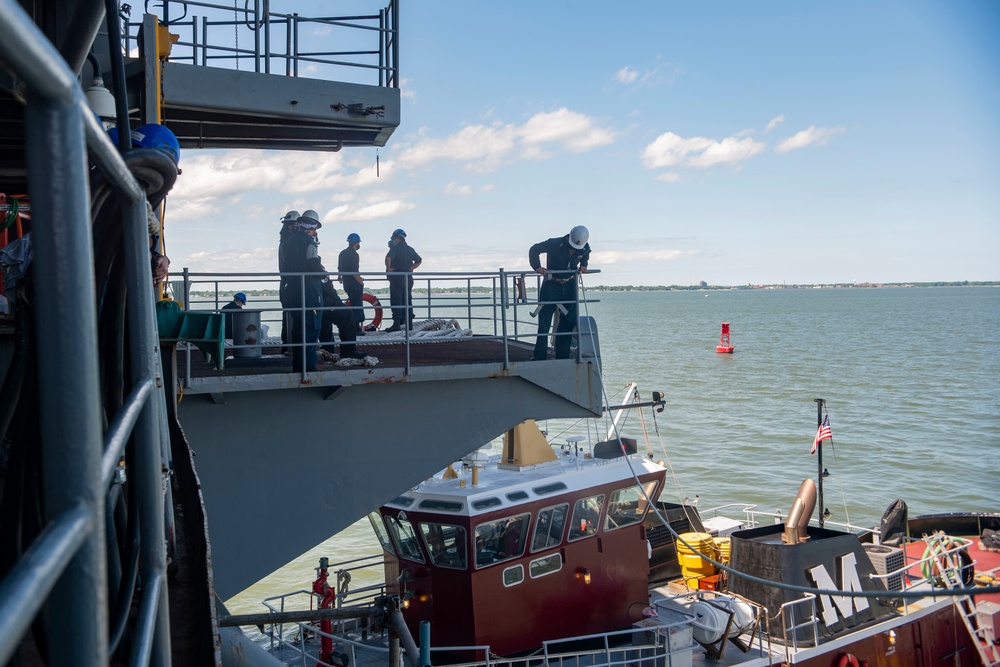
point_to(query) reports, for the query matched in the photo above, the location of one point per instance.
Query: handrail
(487, 303)
(26, 587)
(70, 553)
(266, 28)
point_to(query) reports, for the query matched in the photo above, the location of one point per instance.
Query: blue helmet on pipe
(152, 135)
(353, 238)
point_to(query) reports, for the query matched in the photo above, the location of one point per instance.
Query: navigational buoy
(724, 346)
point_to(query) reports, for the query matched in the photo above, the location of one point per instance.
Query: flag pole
(819, 458)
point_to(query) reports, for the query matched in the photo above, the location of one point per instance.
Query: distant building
(702, 284)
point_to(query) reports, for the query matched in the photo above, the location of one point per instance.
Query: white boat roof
(502, 486)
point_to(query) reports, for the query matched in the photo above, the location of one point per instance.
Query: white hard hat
(291, 216)
(578, 237)
(309, 219)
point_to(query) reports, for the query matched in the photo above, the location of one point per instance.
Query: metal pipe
(121, 428)
(86, 23)
(144, 348)
(68, 374)
(398, 624)
(118, 74)
(27, 585)
(301, 616)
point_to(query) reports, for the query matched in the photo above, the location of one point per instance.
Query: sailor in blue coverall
(562, 253)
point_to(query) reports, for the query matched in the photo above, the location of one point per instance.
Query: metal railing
(210, 34)
(500, 306)
(65, 568)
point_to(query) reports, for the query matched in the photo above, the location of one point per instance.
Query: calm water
(911, 378)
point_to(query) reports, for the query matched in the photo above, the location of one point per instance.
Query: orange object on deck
(724, 346)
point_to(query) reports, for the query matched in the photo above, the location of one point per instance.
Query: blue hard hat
(399, 232)
(113, 136)
(157, 136)
(240, 296)
(353, 238)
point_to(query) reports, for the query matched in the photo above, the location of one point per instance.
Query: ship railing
(954, 557)
(499, 305)
(799, 615)
(755, 517)
(64, 569)
(249, 33)
(372, 566)
(655, 645)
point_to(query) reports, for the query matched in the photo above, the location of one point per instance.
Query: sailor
(239, 300)
(400, 262)
(299, 253)
(287, 229)
(350, 262)
(563, 254)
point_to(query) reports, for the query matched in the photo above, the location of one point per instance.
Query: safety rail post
(503, 316)
(66, 324)
(153, 645)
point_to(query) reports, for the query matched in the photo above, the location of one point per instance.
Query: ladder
(945, 553)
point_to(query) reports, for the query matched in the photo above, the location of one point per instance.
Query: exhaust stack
(801, 512)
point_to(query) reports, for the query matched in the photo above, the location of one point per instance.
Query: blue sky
(731, 142)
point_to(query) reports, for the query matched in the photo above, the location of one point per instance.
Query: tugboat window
(513, 575)
(628, 506)
(543, 566)
(549, 527)
(516, 496)
(446, 544)
(500, 540)
(404, 537)
(586, 517)
(486, 503)
(441, 505)
(383, 535)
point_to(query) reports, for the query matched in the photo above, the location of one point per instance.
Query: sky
(728, 142)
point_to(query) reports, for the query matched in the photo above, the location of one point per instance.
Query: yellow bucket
(722, 546)
(693, 566)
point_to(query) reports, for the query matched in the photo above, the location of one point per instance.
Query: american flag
(822, 433)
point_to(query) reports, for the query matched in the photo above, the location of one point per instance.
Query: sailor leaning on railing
(564, 257)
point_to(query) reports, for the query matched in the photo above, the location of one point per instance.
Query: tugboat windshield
(445, 544)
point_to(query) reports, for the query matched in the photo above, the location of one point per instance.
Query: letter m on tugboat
(849, 581)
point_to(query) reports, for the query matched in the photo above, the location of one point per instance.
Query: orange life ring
(368, 297)
(848, 659)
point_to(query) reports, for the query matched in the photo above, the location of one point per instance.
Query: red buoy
(724, 346)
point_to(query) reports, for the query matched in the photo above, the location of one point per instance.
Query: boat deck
(383, 353)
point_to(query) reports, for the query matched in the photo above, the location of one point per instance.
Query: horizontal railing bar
(27, 585)
(121, 428)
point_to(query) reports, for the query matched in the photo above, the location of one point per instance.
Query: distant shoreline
(680, 288)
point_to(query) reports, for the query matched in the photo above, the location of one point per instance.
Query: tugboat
(567, 551)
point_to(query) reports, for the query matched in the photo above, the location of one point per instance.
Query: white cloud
(609, 257)
(659, 73)
(374, 211)
(670, 150)
(573, 131)
(812, 135)
(626, 75)
(485, 147)
(669, 177)
(460, 190)
(775, 122)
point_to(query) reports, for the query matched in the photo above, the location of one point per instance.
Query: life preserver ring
(848, 659)
(368, 297)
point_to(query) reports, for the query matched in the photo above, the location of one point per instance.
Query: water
(911, 378)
